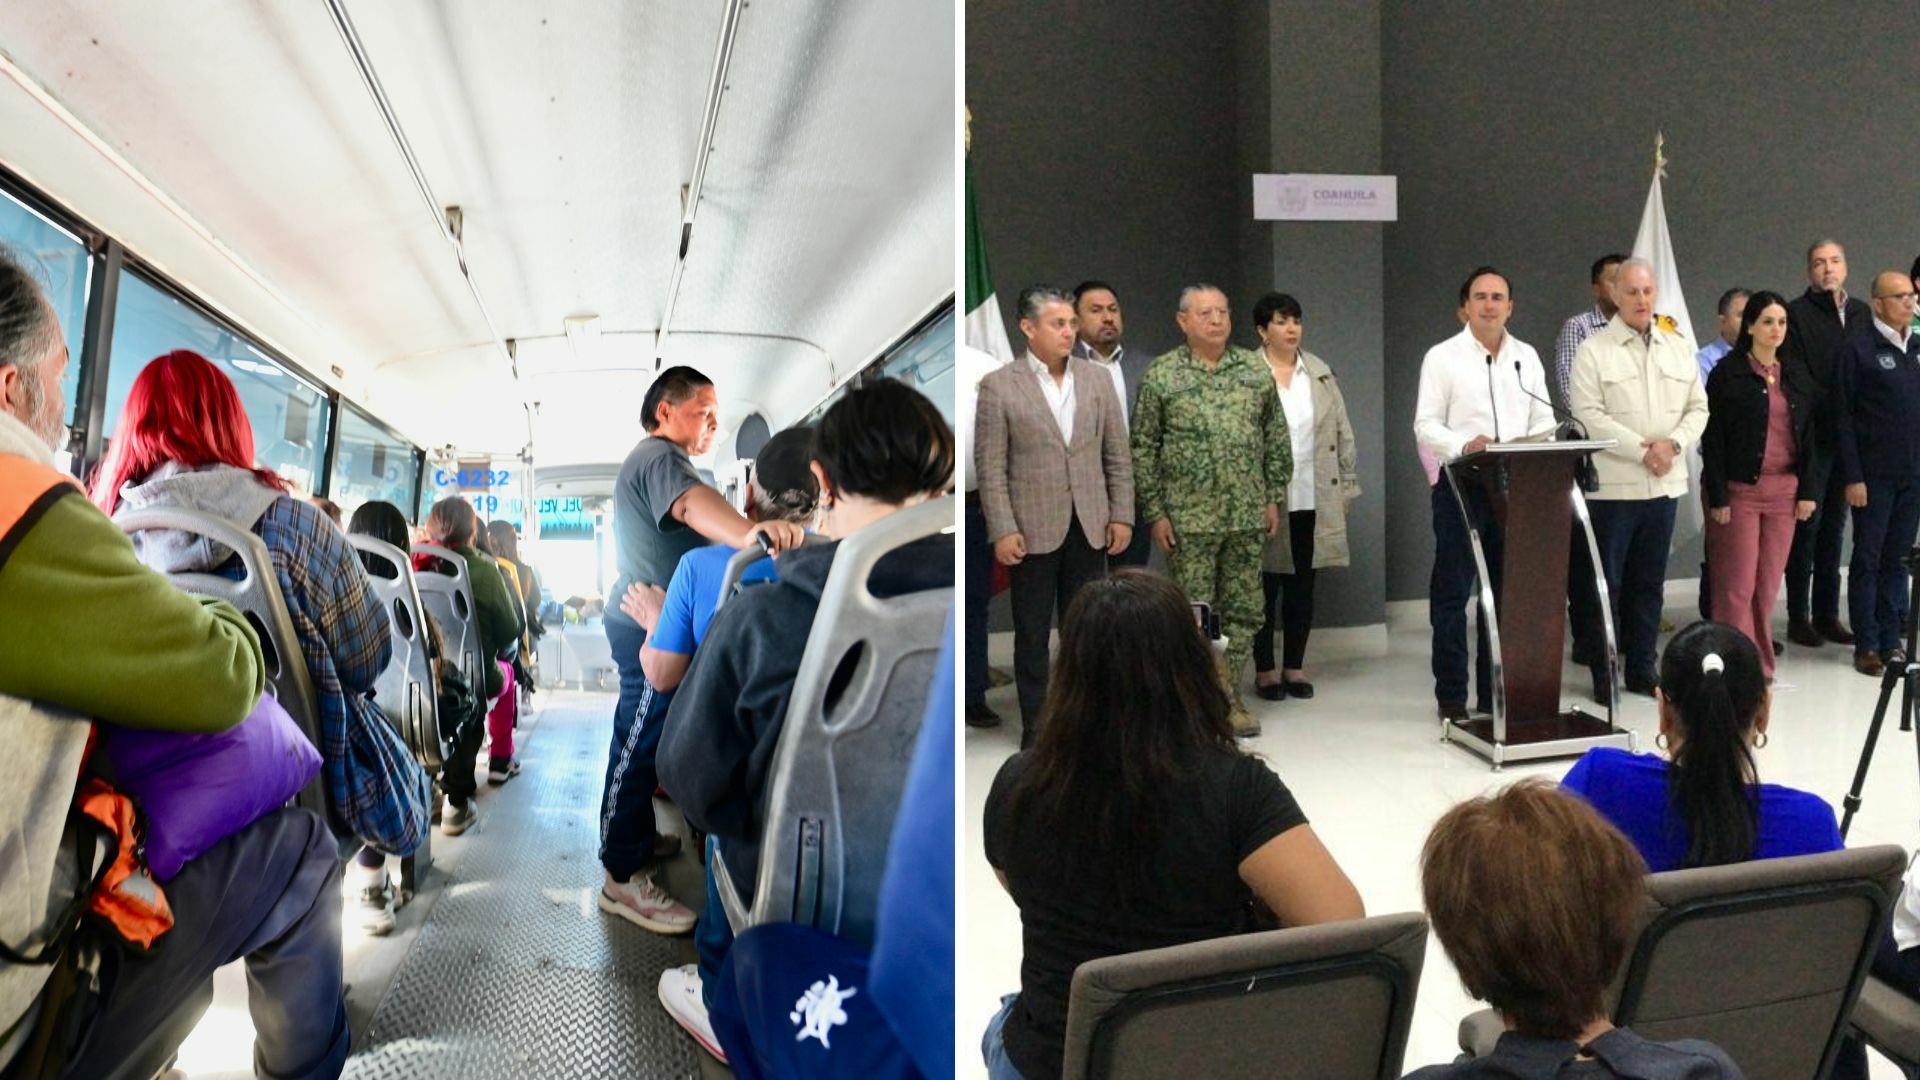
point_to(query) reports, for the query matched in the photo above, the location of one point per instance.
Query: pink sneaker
(645, 903)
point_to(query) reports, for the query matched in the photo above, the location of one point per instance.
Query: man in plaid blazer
(1056, 481)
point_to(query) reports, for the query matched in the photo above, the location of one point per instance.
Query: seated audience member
(453, 525)
(85, 629)
(877, 451)
(453, 695)
(1705, 806)
(1135, 822)
(1536, 901)
(186, 443)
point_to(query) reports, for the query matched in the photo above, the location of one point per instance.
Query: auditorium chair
(1889, 1021)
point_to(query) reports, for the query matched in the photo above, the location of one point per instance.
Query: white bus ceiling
(235, 147)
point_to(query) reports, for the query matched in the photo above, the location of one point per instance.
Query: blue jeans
(269, 893)
(979, 591)
(1883, 532)
(1452, 586)
(627, 830)
(993, 1044)
(713, 934)
(1634, 536)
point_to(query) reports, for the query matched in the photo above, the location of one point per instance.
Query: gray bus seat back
(743, 560)
(404, 690)
(838, 773)
(449, 598)
(257, 596)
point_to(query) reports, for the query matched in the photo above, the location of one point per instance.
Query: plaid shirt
(1572, 333)
(375, 790)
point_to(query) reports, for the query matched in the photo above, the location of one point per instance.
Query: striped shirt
(1572, 333)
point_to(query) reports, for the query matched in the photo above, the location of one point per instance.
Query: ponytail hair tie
(1711, 663)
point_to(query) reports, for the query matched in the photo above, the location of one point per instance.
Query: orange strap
(22, 483)
(127, 897)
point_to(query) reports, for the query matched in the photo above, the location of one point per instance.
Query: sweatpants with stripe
(627, 828)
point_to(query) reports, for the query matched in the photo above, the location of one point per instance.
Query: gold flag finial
(1659, 154)
(969, 128)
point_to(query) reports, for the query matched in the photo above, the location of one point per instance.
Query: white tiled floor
(1364, 760)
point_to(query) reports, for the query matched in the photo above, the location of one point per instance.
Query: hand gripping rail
(746, 557)
(449, 597)
(257, 596)
(837, 778)
(404, 690)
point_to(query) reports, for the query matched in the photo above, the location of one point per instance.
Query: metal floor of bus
(503, 965)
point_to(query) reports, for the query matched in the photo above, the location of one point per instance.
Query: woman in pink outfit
(1762, 469)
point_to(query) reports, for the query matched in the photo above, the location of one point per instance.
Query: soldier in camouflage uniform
(1211, 464)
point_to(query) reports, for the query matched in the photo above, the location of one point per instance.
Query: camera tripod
(1906, 676)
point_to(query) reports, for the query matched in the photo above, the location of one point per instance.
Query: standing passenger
(1097, 307)
(1324, 483)
(1478, 387)
(1211, 463)
(1877, 418)
(1056, 482)
(661, 511)
(1639, 385)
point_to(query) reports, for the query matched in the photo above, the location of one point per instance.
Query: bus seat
(404, 690)
(449, 597)
(737, 567)
(837, 779)
(1764, 959)
(257, 596)
(1333, 1000)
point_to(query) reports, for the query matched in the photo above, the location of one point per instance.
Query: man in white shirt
(1097, 307)
(1056, 482)
(1480, 386)
(970, 366)
(1638, 384)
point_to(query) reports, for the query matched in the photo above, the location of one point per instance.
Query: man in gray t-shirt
(661, 510)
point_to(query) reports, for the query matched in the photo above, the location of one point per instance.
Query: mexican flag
(984, 329)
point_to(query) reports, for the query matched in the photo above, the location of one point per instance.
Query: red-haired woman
(184, 442)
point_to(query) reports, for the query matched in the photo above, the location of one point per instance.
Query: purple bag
(197, 790)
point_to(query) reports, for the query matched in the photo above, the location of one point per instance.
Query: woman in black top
(1134, 822)
(1762, 469)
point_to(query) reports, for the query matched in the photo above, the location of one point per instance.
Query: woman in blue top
(1705, 805)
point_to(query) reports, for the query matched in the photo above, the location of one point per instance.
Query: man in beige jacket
(1636, 382)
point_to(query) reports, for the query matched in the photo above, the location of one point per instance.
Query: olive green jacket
(1210, 445)
(1335, 479)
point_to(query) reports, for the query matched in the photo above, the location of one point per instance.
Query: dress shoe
(1456, 712)
(1778, 648)
(1585, 654)
(1867, 662)
(1830, 628)
(1644, 683)
(1801, 632)
(1299, 688)
(981, 716)
(1894, 657)
(1269, 691)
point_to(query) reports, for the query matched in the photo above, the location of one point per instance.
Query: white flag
(1654, 244)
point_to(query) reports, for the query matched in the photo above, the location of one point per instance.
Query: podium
(1535, 501)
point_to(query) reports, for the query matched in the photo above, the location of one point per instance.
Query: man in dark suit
(1820, 322)
(1097, 307)
(1056, 482)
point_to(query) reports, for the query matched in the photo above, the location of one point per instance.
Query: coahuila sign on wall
(1325, 197)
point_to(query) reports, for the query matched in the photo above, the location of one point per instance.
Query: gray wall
(1115, 140)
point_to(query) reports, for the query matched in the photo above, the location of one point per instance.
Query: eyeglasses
(1895, 296)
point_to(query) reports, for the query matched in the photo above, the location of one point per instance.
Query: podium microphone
(1493, 402)
(1583, 473)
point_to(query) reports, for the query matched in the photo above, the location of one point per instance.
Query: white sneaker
(645, 903)
(376, 900)
(457, 819)
(680, 993)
